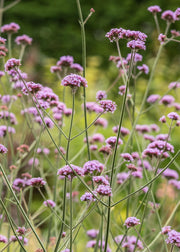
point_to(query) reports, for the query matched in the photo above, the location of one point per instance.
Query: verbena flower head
(11, 64)
(108, 105)
(154, 9)
(173, 238)
(101, 95)
(98, 137)
(167, 100)
(37, 182)
(131, 222)
(115, 34)
(93, 167)
(122, 90)
(136, 44)
(162, 38)
(162, 119)
(111, 141)
(21, 230)
(88, 197)
(74, 81)
(165, 229)
(100, 180)
(69, 172)
(77, 67)
(170, 174)
(144, 68)
(173, 116)
(92, 233)
(65, 61)
(127, 157)
(174, 85)
(153, 98)
(23, 40)
(3, 239)
(169, 16)
(10, 28)
(2, 40)
(177, 13)
(49, 203)
(3, 149)
(104, 190)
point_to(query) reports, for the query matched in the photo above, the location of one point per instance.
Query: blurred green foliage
(55, 29)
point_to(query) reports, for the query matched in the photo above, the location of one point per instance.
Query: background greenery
(55, 29)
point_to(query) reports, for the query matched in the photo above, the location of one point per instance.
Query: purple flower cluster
(111, 141)
(23, 40)
(49, 203)
(93, 167)
(10, 28)
(74, 80)
(131, 222)
(101, 95)
(11, 64)
(3, 149)
(108, 105)
(69, 172)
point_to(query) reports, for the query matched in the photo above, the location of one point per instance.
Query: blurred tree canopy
(54, 27)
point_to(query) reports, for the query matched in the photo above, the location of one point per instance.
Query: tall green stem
(114, 156)
(83, 36)
(65, 180)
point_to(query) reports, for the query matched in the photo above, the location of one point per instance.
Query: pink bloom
(23, 40)
(108, 105)
(169, 16)
(144, 68)
(74, 80)
(162, 38)
(136, 44)
(10, 28)
(131, 222)
(154, 9)
(49, 203)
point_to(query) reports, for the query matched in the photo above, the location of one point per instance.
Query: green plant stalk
(83, 36)
(114, 156)
(21, 209)
(9, 45)
(65, 180)
(71, 217)
(1, 13)
(157, 23)
(22, 52)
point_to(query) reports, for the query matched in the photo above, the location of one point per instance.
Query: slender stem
(83, 36)
(157, 23)
(115, 151)
(71, 216)
(1, 13)
(22, 52)
(172, 248)
(20, 207)
(65, 180)
(11, 5)
(9, 44)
